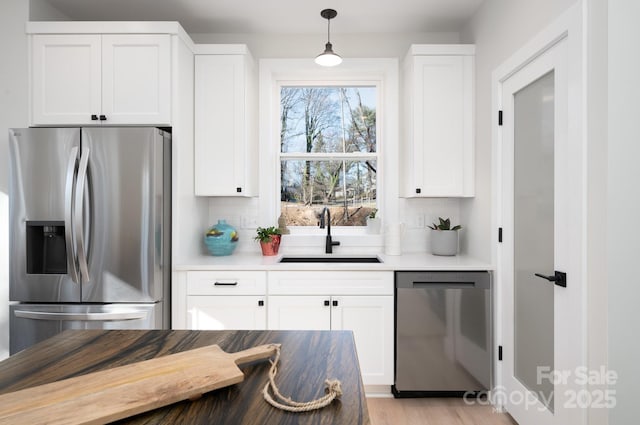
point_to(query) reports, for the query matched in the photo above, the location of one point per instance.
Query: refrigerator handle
(78, 215)
(68, 219)
(89, 317)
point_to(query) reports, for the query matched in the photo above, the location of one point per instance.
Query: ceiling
(277, 16)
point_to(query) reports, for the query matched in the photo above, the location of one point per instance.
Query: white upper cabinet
(136, 79)
(225, 122)
(438, 143)
(80, 79)
(66, 79)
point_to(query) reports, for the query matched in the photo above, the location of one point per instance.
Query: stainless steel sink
(330, 260)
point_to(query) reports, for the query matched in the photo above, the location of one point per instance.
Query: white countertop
(419, 261)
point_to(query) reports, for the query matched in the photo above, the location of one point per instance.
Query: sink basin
(330, 260)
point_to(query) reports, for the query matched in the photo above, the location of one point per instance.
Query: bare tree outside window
(328, 154)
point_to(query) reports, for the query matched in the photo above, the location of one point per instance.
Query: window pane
(327, 119)
(347, 187)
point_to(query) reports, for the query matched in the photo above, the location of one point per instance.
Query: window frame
(379, 72)
(330, 156)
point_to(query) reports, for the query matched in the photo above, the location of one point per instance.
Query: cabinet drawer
(331, 283)
(226, 283)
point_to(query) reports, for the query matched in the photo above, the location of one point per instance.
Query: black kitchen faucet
(330, 243)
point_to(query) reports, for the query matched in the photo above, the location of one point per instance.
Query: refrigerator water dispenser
(46, 249)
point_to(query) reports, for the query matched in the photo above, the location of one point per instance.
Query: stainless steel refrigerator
(89, 230)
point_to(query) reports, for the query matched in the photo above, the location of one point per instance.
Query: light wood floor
(433, 411)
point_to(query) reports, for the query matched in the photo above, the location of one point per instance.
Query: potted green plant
(373, 222)
(269, 238)
(444, 238)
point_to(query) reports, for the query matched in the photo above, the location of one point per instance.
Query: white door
(371, 320)
(443, 124)
(66, 76)
(136, 79)
(540, 217)
(308, 312)
(219, 125)
(221, 312)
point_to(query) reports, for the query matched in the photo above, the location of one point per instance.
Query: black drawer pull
(103, 118)
(226, 283)
(261, 303)
(94, 118)
(327, 303)
(335, 303)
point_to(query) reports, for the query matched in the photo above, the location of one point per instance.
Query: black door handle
(559, 278)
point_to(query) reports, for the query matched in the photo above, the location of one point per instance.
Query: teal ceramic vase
(221, 238)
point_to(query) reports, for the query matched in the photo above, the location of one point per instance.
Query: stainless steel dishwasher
(443, 338)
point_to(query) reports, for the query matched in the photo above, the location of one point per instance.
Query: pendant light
(328, 57)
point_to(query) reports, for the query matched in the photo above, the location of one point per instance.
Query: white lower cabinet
(226, 312)
(371, 320)
(358, 301)
(218, 300)
(355, 306)
(299, 312)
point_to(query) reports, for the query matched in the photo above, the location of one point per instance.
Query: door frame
(569, 26)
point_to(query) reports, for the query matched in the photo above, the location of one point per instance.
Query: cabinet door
(226, 312)
(299, 313)
(136, 85)
(371, 320)
(220, 157)
(66, 77)
(443, 126)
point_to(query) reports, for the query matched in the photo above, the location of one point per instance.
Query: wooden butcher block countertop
(307, 359)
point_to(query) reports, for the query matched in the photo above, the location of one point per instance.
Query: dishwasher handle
(443, 280)
(443, 285)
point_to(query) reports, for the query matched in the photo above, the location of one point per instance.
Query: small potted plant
(444, 238)
(373, 222)
(269, 238)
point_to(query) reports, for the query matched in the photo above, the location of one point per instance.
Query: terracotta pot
(271, 247)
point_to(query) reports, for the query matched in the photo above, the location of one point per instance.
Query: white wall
(13, 113)
(415, 213)
(597, 192)
(623, 203)
(498, 29)
(310, 45)
(43, 11)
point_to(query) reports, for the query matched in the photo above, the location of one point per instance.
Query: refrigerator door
(121, 242)
(32, 323)
(43, 163)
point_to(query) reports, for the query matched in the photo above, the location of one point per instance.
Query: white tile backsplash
(416, 214)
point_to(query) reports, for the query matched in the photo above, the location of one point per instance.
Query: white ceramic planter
(444, 242)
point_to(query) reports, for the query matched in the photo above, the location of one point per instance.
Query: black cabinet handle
(103, 118)
(239, 189)
(94, 118)
(225, 283)
(327, 303)
(261, 303)
(418, 190)
(335, 303)
(559, 278)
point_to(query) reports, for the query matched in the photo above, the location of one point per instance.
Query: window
(328, 153)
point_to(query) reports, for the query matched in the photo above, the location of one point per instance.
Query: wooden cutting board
(124, 391)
